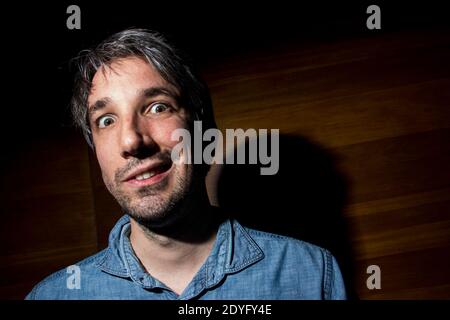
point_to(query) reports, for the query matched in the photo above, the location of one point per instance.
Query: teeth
(145, 175)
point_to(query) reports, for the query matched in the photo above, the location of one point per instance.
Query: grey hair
(153, 47)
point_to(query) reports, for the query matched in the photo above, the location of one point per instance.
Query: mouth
(149, 176)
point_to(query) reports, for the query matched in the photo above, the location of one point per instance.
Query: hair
(154, 48)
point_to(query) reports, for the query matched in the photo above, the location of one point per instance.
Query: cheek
(163, 133)
(105, 162)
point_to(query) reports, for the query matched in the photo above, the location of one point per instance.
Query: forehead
(125, 77)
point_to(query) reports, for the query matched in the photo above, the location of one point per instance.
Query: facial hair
(155, 206)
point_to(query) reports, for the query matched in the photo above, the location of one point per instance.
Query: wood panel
(47, 215)
(365, 128)
(380, 107)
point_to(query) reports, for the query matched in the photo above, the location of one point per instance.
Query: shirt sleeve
(334, 288)
(31, 295)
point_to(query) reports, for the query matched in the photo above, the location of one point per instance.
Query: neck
(175, 253)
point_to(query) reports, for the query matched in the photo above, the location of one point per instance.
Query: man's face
(133, 112)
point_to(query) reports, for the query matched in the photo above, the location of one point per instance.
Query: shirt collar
(233, 251)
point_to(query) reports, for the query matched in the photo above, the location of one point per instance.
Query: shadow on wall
(304, 200)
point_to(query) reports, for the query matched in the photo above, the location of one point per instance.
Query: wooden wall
(364, 167)
(371, 117)
(48, 221)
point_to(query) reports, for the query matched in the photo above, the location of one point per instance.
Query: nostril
(141, 152)
(136, 139)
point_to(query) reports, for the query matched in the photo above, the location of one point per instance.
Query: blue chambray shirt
(243, 264)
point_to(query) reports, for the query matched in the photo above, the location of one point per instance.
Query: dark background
(363, 114)
(38, 46)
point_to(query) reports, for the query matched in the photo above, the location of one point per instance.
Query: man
(132, 92)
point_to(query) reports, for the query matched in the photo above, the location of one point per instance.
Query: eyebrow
(157, 91)
(148, 93)
(98, 105)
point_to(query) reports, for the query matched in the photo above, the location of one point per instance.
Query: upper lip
(141, 169)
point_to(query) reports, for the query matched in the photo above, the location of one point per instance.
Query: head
(131, 92)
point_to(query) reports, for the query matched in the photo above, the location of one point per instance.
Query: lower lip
(152, 180)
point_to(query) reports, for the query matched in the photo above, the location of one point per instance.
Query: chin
(156, 211)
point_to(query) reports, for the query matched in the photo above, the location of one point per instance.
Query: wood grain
(365, 127)
(381, 107)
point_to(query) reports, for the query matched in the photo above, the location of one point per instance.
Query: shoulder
(58, 282)
(301, 262)
(295, 248)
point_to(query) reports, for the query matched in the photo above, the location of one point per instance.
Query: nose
(136, 140)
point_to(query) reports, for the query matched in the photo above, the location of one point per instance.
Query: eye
(158, 108)
(105, 121)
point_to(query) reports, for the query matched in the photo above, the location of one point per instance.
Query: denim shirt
(243, 264)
